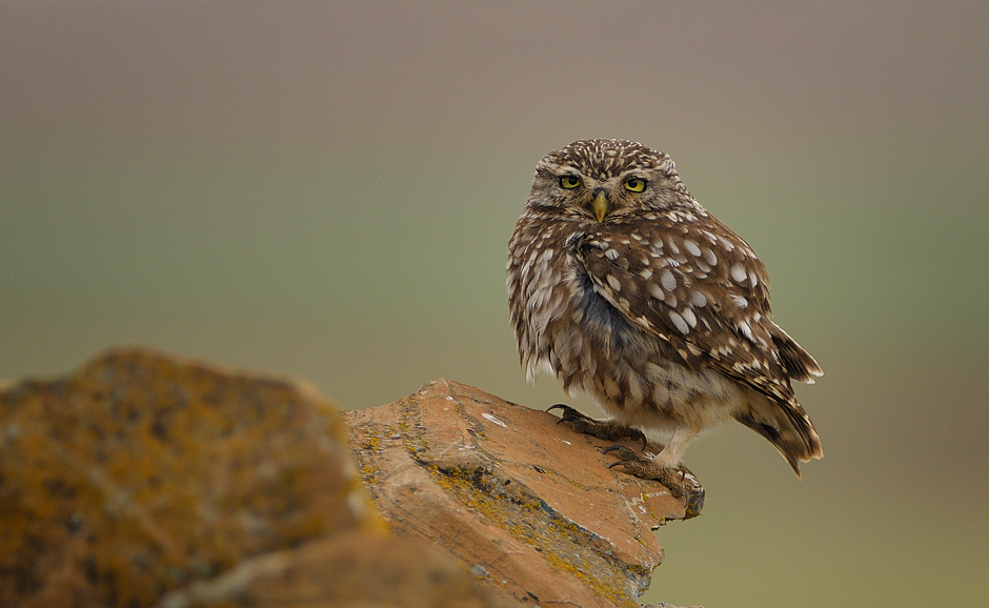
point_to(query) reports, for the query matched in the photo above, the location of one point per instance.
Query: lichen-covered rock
(528, 505)
(142, 473)
(147, 480)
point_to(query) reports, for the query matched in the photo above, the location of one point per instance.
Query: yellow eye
(635, 184)
(569, 182)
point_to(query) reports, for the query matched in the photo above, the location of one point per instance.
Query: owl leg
(671, 454)
(610, 430)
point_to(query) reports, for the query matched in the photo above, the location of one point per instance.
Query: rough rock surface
(528, 505)
(143, 479)
(350, 570)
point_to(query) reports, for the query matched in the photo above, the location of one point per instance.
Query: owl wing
(702, 291)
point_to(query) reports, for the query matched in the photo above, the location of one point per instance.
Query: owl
(625, 288)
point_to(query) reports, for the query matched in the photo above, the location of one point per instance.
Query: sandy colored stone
(528, 505)
(347, 570)
(143, 473)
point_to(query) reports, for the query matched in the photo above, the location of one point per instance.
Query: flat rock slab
(528, 505)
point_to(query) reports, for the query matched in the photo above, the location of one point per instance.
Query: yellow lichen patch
(562, 543)
(413, 438)
(367, 442)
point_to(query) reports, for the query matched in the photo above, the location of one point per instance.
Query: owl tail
(799, 365)
(787, 427)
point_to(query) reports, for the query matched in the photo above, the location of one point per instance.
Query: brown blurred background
(327, 191)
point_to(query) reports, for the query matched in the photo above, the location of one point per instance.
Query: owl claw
(568, 412)
(610, 430)
(624, 454)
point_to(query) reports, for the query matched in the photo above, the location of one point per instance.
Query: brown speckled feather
(623, 286)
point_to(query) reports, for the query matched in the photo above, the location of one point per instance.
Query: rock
(527, 505)
(145, 479)
(351, 569)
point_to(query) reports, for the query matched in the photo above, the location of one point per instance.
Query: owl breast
(565, 327)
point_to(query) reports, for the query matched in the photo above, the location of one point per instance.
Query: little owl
(625, 288)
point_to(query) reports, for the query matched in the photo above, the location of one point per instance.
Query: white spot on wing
(738, 273)
(688, 316)
(746, 331)
(679, 322)
(669, 281)
(739, 300)
(692, 247)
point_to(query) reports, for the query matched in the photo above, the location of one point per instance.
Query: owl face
(605, 180)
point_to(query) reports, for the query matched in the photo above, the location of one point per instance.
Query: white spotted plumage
(656, 309)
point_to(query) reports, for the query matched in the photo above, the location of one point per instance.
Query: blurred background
(327, 191)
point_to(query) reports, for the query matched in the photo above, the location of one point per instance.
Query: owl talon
(672, 478)
(569, 413)
(624, 454)
(610, 430)
(677, 480)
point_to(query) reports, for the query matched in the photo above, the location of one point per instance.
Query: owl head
(606, 180)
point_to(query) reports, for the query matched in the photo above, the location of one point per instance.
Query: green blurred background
(327, 191)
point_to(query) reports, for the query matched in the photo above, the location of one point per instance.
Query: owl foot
(610, 430)
(678, 480)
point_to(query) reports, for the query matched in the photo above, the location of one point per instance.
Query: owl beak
(600, 205)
